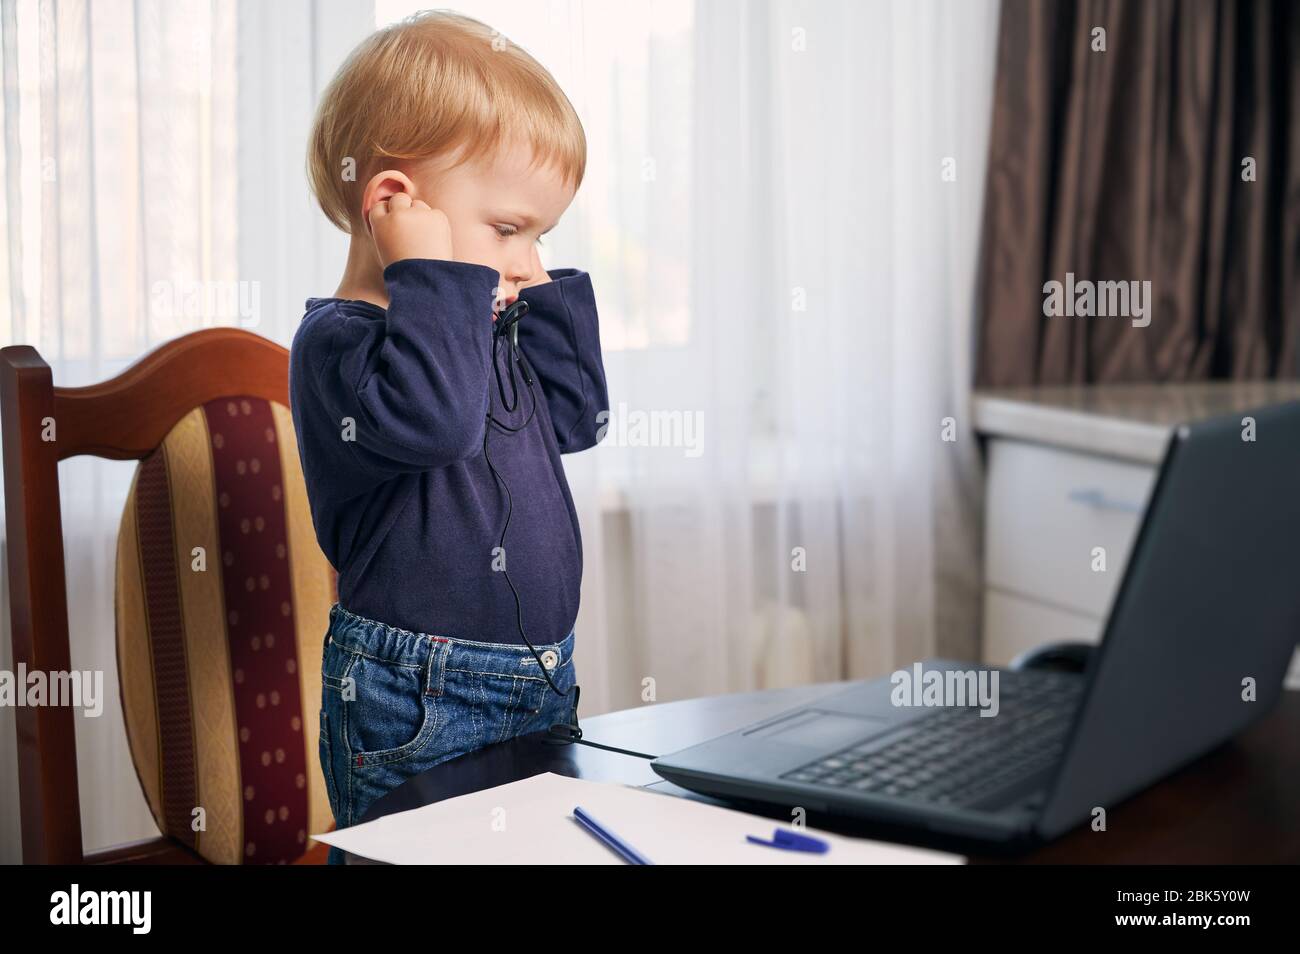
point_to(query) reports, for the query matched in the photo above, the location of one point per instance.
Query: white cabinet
(1070, 471)
(1058, 530)
(1014, 624)
(1060, 524)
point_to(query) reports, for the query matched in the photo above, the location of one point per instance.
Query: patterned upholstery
(219, 648)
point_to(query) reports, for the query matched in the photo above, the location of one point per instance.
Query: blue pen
(609, 839)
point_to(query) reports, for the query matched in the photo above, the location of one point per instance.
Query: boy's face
(497, 211)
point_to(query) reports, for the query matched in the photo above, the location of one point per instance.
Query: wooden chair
(222, 600)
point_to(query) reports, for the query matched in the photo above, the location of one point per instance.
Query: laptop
(1195, 648)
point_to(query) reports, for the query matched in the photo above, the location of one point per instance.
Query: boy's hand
(406, 228)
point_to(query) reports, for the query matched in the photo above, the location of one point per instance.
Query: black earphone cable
(558, 732)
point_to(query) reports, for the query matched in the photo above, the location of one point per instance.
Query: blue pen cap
(788, 840)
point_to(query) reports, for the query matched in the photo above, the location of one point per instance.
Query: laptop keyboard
(954, 756)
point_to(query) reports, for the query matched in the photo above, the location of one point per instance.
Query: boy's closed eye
(506, 231)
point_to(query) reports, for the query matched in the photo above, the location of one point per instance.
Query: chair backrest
(222, 599)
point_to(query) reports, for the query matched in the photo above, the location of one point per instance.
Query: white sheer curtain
(784, 275)
(152, 154)
(831, 268)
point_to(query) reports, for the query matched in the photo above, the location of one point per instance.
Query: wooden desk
(1239, 804)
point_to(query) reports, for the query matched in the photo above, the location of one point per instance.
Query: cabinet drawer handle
(1094, 497)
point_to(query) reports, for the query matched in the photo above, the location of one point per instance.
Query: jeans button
(549, 659)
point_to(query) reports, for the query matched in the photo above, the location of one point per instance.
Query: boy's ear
(384, 185)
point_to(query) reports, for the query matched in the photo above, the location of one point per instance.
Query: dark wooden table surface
(1238, 804)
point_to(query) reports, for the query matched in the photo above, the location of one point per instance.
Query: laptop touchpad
(816, 729)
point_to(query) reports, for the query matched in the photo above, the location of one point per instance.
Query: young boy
(445, 153)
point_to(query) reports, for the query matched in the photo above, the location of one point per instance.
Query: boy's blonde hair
(423, 88)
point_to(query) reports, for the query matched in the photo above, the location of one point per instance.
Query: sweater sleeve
(560, 338)
(411, 388)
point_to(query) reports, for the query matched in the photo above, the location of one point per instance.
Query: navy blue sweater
(390, 407)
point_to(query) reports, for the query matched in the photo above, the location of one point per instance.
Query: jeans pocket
(389, 715)
(326, 752)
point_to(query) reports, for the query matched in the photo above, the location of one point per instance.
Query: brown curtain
(1127, 165)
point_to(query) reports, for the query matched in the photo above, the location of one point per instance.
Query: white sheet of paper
(531, 822)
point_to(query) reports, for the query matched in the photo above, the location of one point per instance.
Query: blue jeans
(394, 703)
